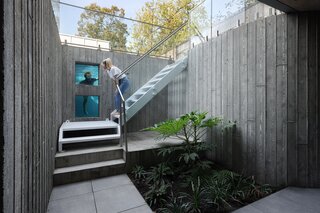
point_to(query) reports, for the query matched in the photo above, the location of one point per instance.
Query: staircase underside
(143, 95)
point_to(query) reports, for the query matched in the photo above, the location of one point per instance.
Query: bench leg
(60, 147)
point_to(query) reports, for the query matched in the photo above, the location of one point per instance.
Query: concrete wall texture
(1, 103)
(265, 76)
(31, 103)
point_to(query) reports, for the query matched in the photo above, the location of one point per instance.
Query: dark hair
(86, 73)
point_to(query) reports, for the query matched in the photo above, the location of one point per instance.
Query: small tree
(102, 26)
(167, 13)
(190, 128)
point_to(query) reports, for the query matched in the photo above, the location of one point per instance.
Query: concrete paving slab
(138, 141)
(248, 209)
(70, 190)
(75, 204)
(118, 199)
(140, 209)
(276, 204)
(109, 182)
(302, 196)
(289, 200)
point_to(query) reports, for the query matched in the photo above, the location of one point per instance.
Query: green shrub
(159, 173)
(157, 192)
(195, 200)
(174, 205)
(159, 183)
(190, 128)
(224, 187)
(139, 172)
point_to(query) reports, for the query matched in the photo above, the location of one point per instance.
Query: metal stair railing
(122, 118)
(123, 123)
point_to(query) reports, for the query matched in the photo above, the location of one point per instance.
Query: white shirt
(114, 72)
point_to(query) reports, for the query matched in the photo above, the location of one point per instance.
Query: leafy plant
(257, 191)
(158, 180)
(157, 192)
(218, 193)
(195, 201)
(99, 25)
(159, 173)
(139, 172)
(174, 205)
(190, 128)
(170, 14)
(224, 187)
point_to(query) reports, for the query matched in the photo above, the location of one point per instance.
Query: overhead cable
(109, 14)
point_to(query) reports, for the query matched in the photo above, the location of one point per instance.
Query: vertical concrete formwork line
(1, 102)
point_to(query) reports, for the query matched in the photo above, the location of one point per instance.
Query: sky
(69, 16)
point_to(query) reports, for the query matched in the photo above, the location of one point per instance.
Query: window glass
(87, 106)
(87, 74)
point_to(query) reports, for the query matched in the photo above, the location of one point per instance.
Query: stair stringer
(143, 95)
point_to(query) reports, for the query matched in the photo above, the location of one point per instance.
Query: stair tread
(88, 166)
(154, 86)
(87, 151)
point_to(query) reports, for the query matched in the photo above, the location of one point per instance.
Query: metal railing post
(123, 122)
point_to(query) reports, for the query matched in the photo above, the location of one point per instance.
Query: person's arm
(113, 77)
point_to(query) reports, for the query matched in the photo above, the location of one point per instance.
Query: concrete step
(89, 155)
(89, 171)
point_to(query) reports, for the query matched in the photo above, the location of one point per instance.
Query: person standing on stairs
(123, 81)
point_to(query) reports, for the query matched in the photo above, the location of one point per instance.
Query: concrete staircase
(86, 164)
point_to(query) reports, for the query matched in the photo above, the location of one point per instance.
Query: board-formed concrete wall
(154, 112)
(31, 103)
(265, 76)
(1, 103)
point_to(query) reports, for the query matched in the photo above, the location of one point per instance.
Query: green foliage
(159, 183)
(168, 128)
(188, 157)
(219, 188)
(139, 172)
(174, 205)
(159, 174)
(189, 127)
(195, 200)
(167, 13)
(103, 26)
(224, 187)
(157, 192)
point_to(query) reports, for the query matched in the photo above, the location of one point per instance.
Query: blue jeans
(124, 85)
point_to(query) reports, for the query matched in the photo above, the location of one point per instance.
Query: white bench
(87, 131)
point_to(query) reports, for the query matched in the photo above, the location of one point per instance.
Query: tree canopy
(167, 13)
(104, 26)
